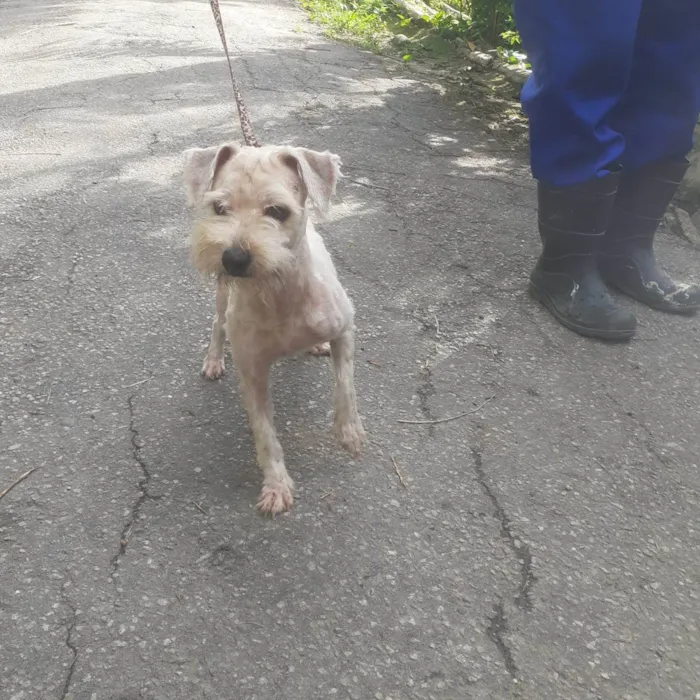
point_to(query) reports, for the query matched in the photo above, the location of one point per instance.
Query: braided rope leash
(246, 127)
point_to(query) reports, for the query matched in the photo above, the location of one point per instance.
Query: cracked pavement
(545, 545)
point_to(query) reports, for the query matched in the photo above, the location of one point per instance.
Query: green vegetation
(367, 21)
(487, 24)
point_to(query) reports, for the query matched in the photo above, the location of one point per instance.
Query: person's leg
(581, 56)
(656, 117)
(661, 103)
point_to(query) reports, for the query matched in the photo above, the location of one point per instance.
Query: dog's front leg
(213, 366)
(348, 425)
(276, 495)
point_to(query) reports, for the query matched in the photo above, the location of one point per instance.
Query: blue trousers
(614, 82)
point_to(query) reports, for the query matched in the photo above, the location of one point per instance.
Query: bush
(364, 19)
(483, 21)
(491, 19)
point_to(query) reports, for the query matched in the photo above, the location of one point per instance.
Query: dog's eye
(278, 213)
(220, 209)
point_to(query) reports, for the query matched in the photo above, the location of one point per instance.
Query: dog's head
(253, 205)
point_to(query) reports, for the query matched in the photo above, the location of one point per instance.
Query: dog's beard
(270, 253)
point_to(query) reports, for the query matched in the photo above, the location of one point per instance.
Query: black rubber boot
(572, 222)
(626, 258)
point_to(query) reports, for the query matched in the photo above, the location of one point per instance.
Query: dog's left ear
(201, 168)
(319, 173)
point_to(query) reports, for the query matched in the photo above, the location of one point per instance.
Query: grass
(366, 22)
(373, 24)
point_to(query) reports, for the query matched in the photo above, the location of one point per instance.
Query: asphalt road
(544, 547)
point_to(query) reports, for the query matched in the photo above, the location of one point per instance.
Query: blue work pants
(614, 83)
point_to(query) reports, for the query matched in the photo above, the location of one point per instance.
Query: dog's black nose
(236, 261)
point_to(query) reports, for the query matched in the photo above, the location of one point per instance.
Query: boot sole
(657, 306)
(599, 333)
(651, 303)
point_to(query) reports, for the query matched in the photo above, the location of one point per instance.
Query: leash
(246, 127)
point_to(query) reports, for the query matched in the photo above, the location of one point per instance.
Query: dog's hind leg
(348, 425)
(213, 366)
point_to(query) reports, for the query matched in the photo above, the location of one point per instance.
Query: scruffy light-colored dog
(277, 292)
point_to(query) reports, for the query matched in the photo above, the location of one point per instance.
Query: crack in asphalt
(498, 626)
(151, 145)
(71, 276)
(521, 550)
(69, 643)
(136, 447)
(498, 622)
(425, 391)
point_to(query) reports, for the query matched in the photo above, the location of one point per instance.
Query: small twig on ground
(398, 472)
(143, 381)
(370, 185)
(199, 508)
(16, 481)
(125, 539)
(446, 420)
(374, 363)
(325, 495)
(48, 396)
(437, 327)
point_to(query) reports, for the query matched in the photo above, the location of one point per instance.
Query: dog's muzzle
(236, 261)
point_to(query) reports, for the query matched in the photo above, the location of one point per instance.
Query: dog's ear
(319, 173)
(202, 166)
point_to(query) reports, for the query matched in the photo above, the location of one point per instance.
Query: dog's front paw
(321, 350)
(213, 367)
(351, 436)
(275, 497)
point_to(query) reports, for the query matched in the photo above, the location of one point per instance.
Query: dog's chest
(292, 325)
(315, 325)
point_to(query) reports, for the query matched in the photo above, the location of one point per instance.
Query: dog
(277, 290)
